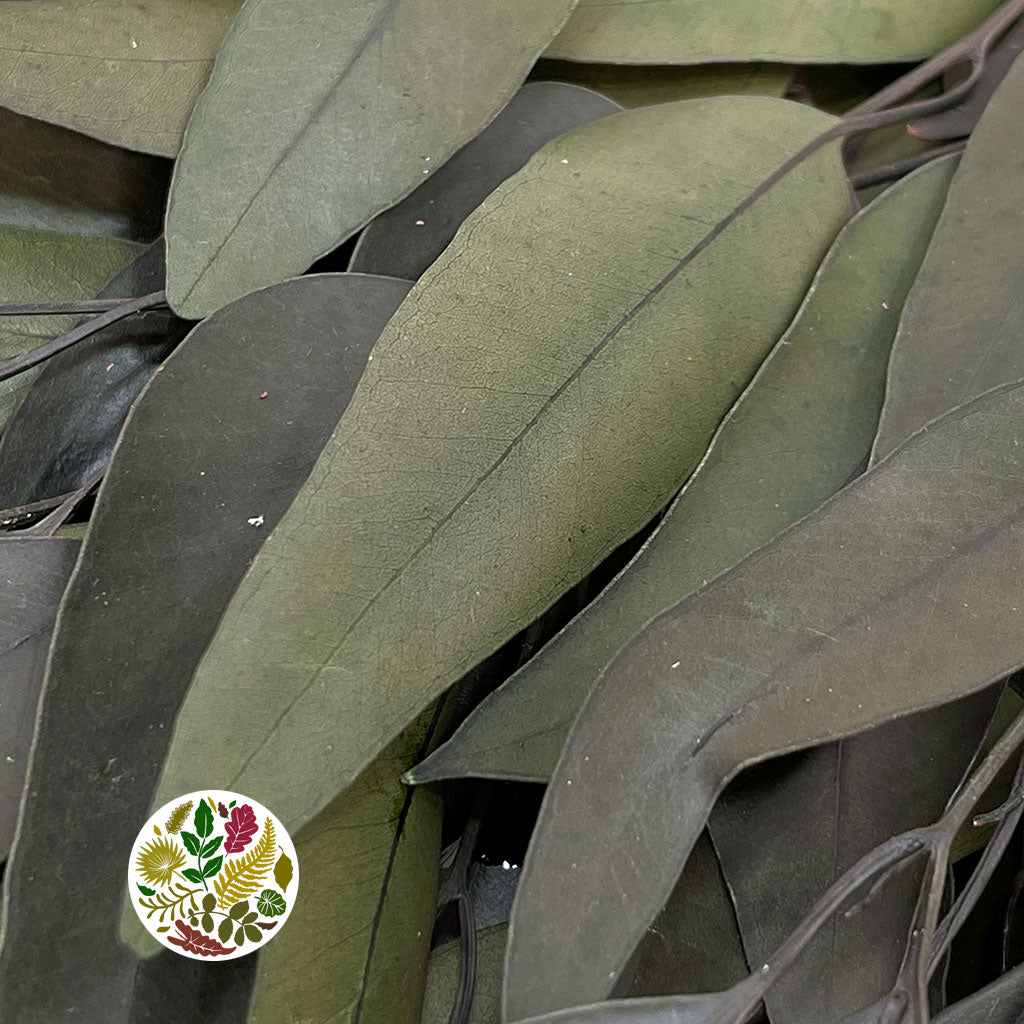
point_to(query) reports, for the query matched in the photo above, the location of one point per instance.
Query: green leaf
(34, 572)
(189, 450)
(192, 875)
(209, 901)
(283, 871)
(127, 73)
(524, 478)
(212, 867)
(443, 979)
(252, 933)
(406, 239)
(640, 85)
(211, 847)
(203, 820)
(703, 31)
(206, 921)
(268, 149)
(164, 928)
(224, 930)
(271, 903)
(364, 910)
(745, 668)
(43, 266)
(800, 431)
(191, 842)
(145, 891)
(959, 334)
(239, 910)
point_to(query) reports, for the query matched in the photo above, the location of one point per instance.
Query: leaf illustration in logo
(267, 925)
(177, 818)
(221, 809)
(145, 891)
(244, 876)
(271, 903)
(224, 931)
(211, 847)
(158, 860)
(191, 842)
(173, 901)
(192, 875)
(210, 868)
(203, 820)
(283, 871)
(240, 829)
(194, 941)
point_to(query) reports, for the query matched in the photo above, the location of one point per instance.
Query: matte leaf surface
(33, 574)
(201, 456)
(125, 72)
(701, 31)
(802, 430)
(443, 979)
(54, 179)
(406, 239)
(321, 121)
(520, 418)
(960, 332)
(68, 422)
(357, 943)
(773, 657)
(46, 266)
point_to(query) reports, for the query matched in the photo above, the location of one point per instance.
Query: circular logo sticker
(213, 874)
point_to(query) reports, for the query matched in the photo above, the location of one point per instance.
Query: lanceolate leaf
(67, 424)
(406, 239)
(802, 430)
(33, 574)
(700, 31)
(313, 123)
(901, 593)
(355, 947)
(201, 456)
(959, 334)
(41, 266)
(125, 72)
(536, 399)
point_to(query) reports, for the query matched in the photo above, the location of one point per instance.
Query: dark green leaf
(145, 891)
(271, 903)
(406, 239)
(200, 455)
(191, 842)
(443, 979)
(373, 112)
(211, 847)
(203, 820)
(959, 334)
(802, 430)
(33, 574)
(128, 74)
(210, 869)
(699, 31)
(67, 425)
(751, 666)
(524, 479)
(192, 875)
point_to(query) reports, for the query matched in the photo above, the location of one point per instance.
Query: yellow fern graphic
(242, 876)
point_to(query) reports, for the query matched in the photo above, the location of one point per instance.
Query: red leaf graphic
(240, 829)
(194, 941)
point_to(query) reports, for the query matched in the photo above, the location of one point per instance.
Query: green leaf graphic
(211, 847)
(283, 872)
(191, 842)
(270, 903)
(145, 891)
(192, 875)
(203, 820)
(210, 868)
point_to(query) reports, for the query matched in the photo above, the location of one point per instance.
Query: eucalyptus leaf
(204, 469)
(704, 31)
(897, 595)
(54, 179)
(959, 334)
(46, 266)
(443, 979)
(358, 939)
(536, 399)
(406, 239)
(321, 121)
(69, 420)
(639, 85)
(122, 71)
(800, 431)
(33, 574)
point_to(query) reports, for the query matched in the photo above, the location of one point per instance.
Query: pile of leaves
(564, 458)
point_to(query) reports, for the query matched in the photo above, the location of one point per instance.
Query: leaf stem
(61, 308)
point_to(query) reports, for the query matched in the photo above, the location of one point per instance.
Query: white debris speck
(568, 782)
(885, 305)
(565, 161)
(135, 45)
(765, 968)
(256, 521)
(420, 223)
(506, 866)
(676, 664)
(426, 170)
(9, 759)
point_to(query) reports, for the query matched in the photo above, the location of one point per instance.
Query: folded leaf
(700, 31)
(443, 979)
(43, 266)
(406, 239)
(801, 430)
(804, 641)
(521, 417)
(121, 71)
(200, 456)
(959, 334)
(313, 123)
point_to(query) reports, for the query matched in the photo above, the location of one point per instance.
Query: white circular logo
(213, 875)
